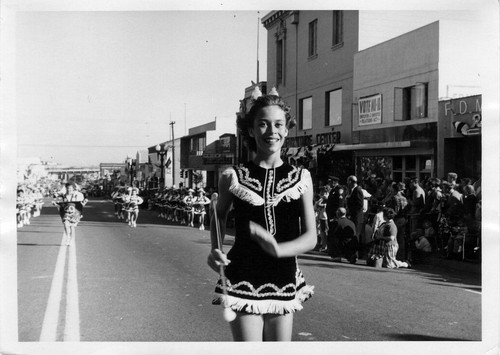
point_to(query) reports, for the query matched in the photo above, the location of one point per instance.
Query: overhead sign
(370, 110)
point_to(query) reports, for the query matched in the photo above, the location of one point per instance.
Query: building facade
(206, 152)
(310, 63)
(396, 106)
(374, 112)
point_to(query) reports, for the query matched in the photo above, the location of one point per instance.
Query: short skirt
(264, 298)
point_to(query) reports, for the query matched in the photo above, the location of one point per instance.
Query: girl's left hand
(264, 239)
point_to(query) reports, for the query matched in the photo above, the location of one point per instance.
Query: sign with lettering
(370, 110)
(328, 138)
(218, 159)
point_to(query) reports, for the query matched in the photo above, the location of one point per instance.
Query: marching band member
(188, 207)
(70, 204)
(199, 204)
(133, 201)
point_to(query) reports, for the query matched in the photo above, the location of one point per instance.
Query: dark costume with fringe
(257, 282)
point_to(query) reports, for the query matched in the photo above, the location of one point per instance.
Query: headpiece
(246, 104)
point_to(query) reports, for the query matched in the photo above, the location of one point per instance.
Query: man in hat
(335, 198)
(355, 200)
(453, 205)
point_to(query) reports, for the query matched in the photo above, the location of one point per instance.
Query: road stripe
(72, 324)
(51, 318)
(472, 291)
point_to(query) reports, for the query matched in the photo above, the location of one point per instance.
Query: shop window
(411, 103)
(420, 166)
(338, 25)
(305, 117)
(313, 38)
(333, 108)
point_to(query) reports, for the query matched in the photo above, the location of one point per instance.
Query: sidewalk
(434, 262)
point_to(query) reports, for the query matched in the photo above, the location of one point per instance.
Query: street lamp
(161, 151)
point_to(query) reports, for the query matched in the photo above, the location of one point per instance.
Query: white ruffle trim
(243, 192)
(266, 306)
(296, 191)
(247, 195)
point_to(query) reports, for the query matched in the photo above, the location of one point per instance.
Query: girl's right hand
(216, 258)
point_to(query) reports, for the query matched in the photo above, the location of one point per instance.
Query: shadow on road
(38, 245)
(418, 337)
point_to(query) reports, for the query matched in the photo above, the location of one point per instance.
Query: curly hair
(388, 213)
(244, 123)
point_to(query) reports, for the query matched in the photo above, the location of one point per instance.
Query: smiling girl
(274, 219)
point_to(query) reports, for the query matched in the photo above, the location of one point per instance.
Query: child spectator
(421, 247)
(320, 207)
(455, 242)
(429, 233)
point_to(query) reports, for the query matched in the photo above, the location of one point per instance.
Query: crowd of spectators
(398, 223)
(29, 202)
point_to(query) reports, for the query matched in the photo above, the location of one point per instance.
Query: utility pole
(173, 149)
(258, 22)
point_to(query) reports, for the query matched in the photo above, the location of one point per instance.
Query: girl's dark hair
(244, 123)
(388, 213)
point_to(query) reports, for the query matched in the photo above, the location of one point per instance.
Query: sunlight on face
(269, 129)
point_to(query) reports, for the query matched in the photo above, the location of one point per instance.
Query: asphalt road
(151, 284)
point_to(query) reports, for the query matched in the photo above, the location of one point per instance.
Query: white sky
(95, 86)
(100, 85)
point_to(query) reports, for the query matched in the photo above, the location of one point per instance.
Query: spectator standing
(417, 204)
(452, 179)
(320, 207)
(453, 202)
(355, 201)
(335, 198)
(399, 203)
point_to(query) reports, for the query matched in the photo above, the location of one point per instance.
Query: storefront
(460, 140)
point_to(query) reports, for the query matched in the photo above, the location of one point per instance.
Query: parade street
(151, 283)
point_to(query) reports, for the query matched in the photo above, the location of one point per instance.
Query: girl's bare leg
(278, 327)
(247, 327)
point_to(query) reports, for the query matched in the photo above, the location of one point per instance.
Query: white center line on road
(472, 291)
(72, 324)
(50, 320)
(72, 319)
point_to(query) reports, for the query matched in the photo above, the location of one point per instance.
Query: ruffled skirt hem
(269, 306)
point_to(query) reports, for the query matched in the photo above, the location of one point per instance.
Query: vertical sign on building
(370, 110)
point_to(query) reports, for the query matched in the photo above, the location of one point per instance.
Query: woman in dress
(385, 242)
(70, 205)
(274, 221)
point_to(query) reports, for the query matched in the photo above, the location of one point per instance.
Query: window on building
(338, 25)
(420, 166)
(280, 57)
(411, 102)
(198, 145)
(333, 108)
(313, 38)
(305, 118)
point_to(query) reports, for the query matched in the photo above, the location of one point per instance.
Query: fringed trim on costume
(243, 192)
(266, 306)
(296, 191)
